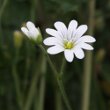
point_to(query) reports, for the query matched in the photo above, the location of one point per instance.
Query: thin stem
(61, 86)
(58, 101)
(41, 95)
(1, 13)
(17, 81)
(17, 86)
(88, 60)
(58, 95)
(33, 10)
(31, 92)
(27, 66)
(32, 88)
(59, 81)
(63, 66)
(42, 86)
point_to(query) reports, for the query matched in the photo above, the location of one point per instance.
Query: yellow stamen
(68, 45)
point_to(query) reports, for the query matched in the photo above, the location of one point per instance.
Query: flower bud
(18, 38)
(32, 32)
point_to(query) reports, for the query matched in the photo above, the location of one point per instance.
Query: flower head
(32, 32)
(71, 41)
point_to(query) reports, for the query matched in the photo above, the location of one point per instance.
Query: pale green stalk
(59, 80)
(88, 60)
(58, 101)
(32, 88)
(2, 9)
(58, 95)
(62, 66)
(27, 65)
(42, 86)
(33, 10)
(41, 94)
(17, 80)
(39, 104)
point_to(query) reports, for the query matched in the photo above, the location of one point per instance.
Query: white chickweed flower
(32, 32)
(71, 41)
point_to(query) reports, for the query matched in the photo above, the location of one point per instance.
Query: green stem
(42, 86)
(58, 101)
(17, 86)
(17, 81)
(88, 61)
(33, 10)
(32, 89)
(63, 66)
(27, 66)
(31, 92)
(61, 86)
(1, 13)
(41, 95)
(59, 80)
(58, 95)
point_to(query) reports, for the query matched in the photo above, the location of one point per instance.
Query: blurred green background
(22, 85)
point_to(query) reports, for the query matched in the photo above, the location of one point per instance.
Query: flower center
(68, 45)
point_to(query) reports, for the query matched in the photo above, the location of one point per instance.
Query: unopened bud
(32, 32)
(18, 39)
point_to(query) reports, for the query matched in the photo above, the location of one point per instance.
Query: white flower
(31, 31)
(71, 41)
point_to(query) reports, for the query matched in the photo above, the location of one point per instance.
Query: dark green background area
(13, 13)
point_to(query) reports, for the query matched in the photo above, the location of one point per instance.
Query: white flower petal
(25, 31)
(55, 50)
(87, 38)
(72, 28)
(60, 26)
(80, 31)
(30, 25)
(79, 53)
(86, 46)
(53, 32)
(36, 32)
(50, 41)
(33, 31)
(69, 55)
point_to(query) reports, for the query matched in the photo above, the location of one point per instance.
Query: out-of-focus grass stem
(27, 65)
(88, 60)
(2, 9)
(17, 80)
(42, 86)
(58, 101)
(33, 85)
(33, 10)
(62, 66)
